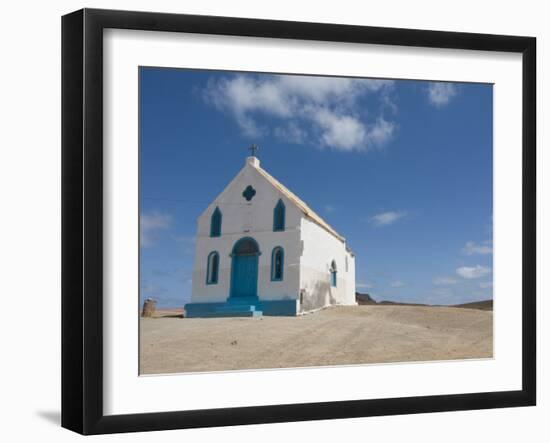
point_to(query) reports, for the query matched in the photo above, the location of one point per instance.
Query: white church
(260, 250)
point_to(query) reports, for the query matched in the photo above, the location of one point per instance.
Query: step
(240, 307)
(235, 308)
(243, 300)
(230, 314)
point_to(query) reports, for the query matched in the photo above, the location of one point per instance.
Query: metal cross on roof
(253, 148)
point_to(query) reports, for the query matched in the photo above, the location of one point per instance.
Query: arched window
(333, 274)
(246, 246)
(212, 268)
(277, 263)
(279, 216)
(216, 223)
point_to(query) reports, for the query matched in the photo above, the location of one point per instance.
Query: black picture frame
(82, 215)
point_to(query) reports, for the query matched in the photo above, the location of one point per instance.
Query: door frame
(232, 276)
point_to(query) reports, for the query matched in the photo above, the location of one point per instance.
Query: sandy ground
(334, 336)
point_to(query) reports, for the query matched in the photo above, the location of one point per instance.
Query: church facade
(260, 250)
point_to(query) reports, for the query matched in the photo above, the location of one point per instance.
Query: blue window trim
(216, 223)
(275, 250)
(333, 274)
(208, 270)
(279, 216)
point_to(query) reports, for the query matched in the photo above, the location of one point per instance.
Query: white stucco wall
(320, 248)
(350, 280)
(254, 219)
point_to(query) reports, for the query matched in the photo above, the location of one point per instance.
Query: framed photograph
(269, 221)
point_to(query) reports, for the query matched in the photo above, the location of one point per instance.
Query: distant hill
(398, 303)
(366, 299)
(484, 305)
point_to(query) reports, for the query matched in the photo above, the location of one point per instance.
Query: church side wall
(320, 249)
(350, 281)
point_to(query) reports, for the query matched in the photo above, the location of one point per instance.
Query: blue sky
(402, 169)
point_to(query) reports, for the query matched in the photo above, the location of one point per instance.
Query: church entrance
(244, 268)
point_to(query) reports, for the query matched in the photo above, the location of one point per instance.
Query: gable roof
(306, 210)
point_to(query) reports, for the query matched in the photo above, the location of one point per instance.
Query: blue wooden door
(244, 276)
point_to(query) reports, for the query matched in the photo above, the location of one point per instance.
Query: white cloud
(397, 284)
(191, 239)
(387, 218)
(472, 248)
(321, 89)
(308, 109)
(441, 93)
(329, 208)
(150, 225)
(366, 285)
(342, 132)
(153, 289)
(291, 133)
(486, 284)
(443, 281)
(244, 94)
(470, 272)
(380, 132)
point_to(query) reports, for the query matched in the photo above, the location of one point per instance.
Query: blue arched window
(333, 271)
(277, 263)
(212, 268)
(279, 216)
(216, 223)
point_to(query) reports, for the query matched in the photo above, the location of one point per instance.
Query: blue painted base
(241, 307)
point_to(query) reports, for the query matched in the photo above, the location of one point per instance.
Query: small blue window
(333, 271)
(277, 263)
(216, 223)
(279, 216)
(212, 268)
